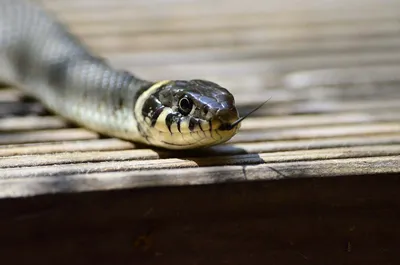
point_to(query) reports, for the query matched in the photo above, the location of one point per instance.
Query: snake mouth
(191, 132)
(216, 133)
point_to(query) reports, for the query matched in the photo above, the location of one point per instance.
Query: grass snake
(40, 56)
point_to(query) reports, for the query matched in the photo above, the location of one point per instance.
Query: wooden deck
(332, 70)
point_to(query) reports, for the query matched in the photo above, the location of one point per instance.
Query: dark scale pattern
(171, 119)
(179, 124)
(57, 74)
(23, 62)
(192, 123)
(155, 116)
(150, 108)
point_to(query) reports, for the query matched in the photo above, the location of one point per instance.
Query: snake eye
(185, 105)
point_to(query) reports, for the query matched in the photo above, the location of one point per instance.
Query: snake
(45, 60)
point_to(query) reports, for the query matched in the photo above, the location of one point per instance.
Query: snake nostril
(227, 116)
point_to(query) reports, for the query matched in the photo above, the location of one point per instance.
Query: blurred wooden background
(332, 70)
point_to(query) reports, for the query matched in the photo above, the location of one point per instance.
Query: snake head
(202, 100)
(189, 114)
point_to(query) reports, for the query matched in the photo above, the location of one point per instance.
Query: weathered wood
(242, 157)
(285, 9)
(262, 134)
(280, 65)
(66, 146)
(235, 52)
(111, 176)
(334, 77)
(236, 22)
(46, 135)
(31, 123)
(274, 146)
(172, 40)
(331, 80)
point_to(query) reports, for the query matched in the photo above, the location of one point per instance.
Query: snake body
(40, 56)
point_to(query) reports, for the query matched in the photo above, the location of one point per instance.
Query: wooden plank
(65, 146)
(340, 76)
(46, 135)
(239, 148)
(105, 177)
(161, 41)
(121, 4)
(221, 8)
(260, 66)
(317, 132)
(31, 123)
(301, 121)
(314, 106)
(229, 22)
(134, 57)
(159, 158)
(72, 166)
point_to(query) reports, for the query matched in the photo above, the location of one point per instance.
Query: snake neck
(91, 93)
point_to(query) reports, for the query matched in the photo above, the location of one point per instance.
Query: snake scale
(40, 56)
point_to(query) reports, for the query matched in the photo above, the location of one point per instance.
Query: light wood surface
(331, 68)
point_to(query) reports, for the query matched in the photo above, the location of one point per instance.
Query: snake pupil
(205, 110)
(185, 105)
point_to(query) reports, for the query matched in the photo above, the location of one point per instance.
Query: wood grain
(109, 177)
